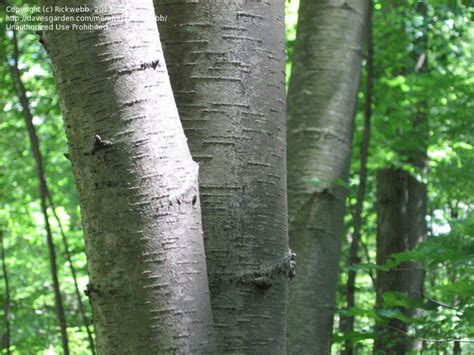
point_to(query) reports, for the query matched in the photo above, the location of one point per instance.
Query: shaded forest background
(445, 90)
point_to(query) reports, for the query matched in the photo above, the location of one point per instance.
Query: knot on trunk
(265, 278)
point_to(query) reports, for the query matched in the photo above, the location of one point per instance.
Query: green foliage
(291, 20)
(34, 327)
(445, 92)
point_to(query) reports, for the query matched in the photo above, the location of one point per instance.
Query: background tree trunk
(401, 225)
(321, 107)
(412, 229)
(416, 233)
(137, 185)
(392, 200)
(418, 157)
(226, 63)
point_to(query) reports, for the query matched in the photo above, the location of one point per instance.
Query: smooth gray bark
(226, 64)
(321, 108)
(137, 184)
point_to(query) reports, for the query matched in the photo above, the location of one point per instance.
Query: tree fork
(137, 184)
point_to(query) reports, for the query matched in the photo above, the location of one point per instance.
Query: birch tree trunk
(226, 63)
(321, 107)
(137, 184)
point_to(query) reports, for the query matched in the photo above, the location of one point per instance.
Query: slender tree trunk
(43, 191)
(137, 184)
(457, 346)
(6, 300)
(321, 108)
(28, 114)
(347, 323)
(82, 309)
(418, 157)
(226, 63)
(418, 191)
